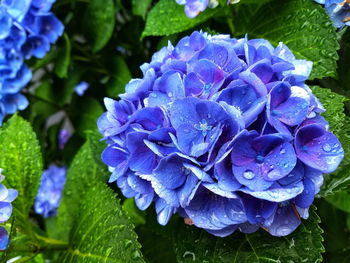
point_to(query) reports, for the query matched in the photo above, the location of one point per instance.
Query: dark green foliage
(303, 245)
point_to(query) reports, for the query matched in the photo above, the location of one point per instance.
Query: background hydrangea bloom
(224, 132)
(27, 29)
(338, 10)
(49, 195)
(6, 197)
(194, 7)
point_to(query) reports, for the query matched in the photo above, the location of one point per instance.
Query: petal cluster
(223, 132)
(338, 10)
(50, 191)
(27, 28)
(194, 7)
(6, 197)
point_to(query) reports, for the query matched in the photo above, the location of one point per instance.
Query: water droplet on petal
(283, 230)
(248, 174)
(282, 151)
(326, 147)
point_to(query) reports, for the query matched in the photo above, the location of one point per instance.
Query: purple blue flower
(50, 191)
(338, 10)
(27, 28)
(81, 88)
(63, 138)
(194, 7)
(6, 198)
(222, 131)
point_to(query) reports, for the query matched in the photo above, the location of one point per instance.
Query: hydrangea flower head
(338, 10)
(27, 29)
(6, 197)
(194, 7)
(50, 191)
(223, 132)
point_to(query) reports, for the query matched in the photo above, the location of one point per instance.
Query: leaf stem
(50, 243)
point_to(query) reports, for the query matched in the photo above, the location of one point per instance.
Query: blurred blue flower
(194, 7)
(63, 137)
(222, 131)
(6, 197)
(27, 29)
(338, 10)
(50, 191)
(81, 88)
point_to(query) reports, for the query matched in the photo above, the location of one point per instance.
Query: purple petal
(286, 220)
(4, 238)
(318, 148)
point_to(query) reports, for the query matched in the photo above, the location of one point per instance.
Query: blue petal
(5, 211)
(4, 238)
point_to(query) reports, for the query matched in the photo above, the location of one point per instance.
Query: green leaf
(334, 105)
(120, 76)
(86, 112)
(302, 25)
(22, 163)
(136, 215)
(91, 219)
(83, 173)
(303, 245)
(99, 21)
(101, 232)
(340, 200)
(167, 17)
(139, 8)
(63, 59)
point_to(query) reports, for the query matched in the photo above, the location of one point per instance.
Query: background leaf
(99, 21)
(22, 163)
(302, 25)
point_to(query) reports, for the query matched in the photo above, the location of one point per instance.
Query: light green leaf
(139, 8)
(22, 163)
(302, 25)
(334, 105)
(63, 58)
(167, 17)
(91, 219)
(101, 232)
(303, 245)
(100, 20)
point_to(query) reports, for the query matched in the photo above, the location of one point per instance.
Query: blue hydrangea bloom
(222, 131)
(194, 7)
(50, 191)
(6, 197)
(81, 88)
(27, 28)
(338, 10)
(63, 137)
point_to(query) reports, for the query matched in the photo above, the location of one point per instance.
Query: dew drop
(248, 174)
(282, 151)
(326, 147)
(283, 230)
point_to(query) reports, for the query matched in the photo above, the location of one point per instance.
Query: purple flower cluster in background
(194, 7)
(338, 10)
(27, 28)
(6, 197)
(50, 191)
(223, 132)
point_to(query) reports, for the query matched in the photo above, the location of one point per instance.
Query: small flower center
(203, 127)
